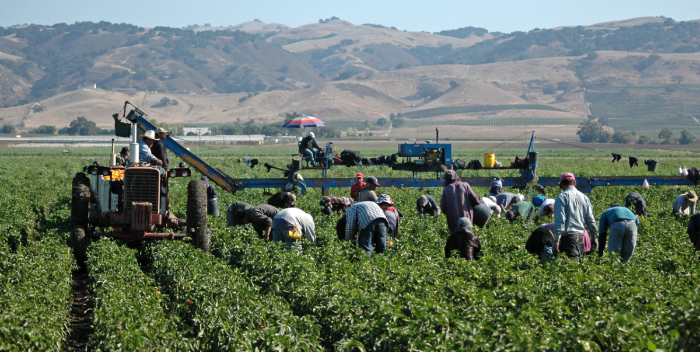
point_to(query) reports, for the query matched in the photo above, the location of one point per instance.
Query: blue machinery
(436, 158)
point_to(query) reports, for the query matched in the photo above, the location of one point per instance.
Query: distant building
(87, 86)
(199, 131)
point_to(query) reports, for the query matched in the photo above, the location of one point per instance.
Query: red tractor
(133, 203)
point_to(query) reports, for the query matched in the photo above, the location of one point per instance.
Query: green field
(647, 110)
(251, 295)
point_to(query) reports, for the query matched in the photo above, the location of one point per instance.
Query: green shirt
(523, 208)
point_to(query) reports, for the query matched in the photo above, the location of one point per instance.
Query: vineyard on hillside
(251, 295)
(647, 110)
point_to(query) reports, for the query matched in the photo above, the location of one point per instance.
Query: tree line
(591, 131)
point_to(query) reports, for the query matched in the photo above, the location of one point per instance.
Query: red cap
(567, 176)
(360, 175)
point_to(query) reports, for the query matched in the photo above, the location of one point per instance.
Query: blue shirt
(573, 212)
(145, 155)
(614, 214)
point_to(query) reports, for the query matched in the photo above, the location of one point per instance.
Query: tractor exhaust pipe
(437, 135)
(134, 144)
(113, 157)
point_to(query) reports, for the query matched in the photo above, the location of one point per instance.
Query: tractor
(133, 203)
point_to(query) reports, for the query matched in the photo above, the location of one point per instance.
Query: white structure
(197, 130)
(88, 86)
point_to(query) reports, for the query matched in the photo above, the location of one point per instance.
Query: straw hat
(691, 196)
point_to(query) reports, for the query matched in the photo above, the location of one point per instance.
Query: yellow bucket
(489, 160)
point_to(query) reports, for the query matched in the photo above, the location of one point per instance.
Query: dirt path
(80, 320)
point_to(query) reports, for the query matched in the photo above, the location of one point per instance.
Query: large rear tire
(80, 209)
(197, 223)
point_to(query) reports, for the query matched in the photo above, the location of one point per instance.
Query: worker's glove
(594, 245)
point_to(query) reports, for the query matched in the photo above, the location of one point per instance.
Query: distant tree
(605, 137)
(399, 114)
(677, 79)
(8, 129)
(81, 126)
(398, 122)
(284, 69)
(687, 137)
(402, 65)
(45, 129)
(549, 89)
(624, 138)
(565, 86)
(366, 124)
(603, 121)
(38, 108)
(141, 75)
(381, 121)
(428, 91)
(392, 116)
(454, 84)
(590, 131)
(666, 135)
(644, 139)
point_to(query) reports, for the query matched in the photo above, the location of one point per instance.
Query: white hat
(311, 134)
(161, 130)
(150, 135)
(520, 197)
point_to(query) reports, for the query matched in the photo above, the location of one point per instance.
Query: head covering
(125, 150)
(150, 135)
(520, 197)
(538, 200)
(493, 199)
(161, 130)
(312, 135)
(347, 201)
(327, 211)
(359, 174)
(549, 210)
(464, 223)
(372, 181)
(423, 200)
(691, 196)
(510, 215)
(206, 180)
(567, 176)
(451, 177)
(384, 198)
(182, 165)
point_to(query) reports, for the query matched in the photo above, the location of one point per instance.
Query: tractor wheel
(202, 238)
(79, 241)
(197, 214)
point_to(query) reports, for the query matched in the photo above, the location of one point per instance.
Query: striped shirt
(360, 215)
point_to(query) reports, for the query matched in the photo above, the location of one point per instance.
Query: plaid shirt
(359, 215)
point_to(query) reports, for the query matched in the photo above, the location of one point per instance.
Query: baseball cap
(538, 200)
(372, 181)
(567, 176)
(360, 175)
(161, 130)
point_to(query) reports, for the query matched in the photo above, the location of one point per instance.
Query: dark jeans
(375, 233)
(572, 245)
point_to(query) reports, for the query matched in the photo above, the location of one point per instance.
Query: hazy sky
(430, 16)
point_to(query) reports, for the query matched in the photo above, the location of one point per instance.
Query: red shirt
(355, 190)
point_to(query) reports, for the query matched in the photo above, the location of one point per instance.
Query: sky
(429, 16)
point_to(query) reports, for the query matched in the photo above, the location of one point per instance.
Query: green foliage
(398, 122)
(81, 126)
(8, 129)
(644, 139)
(624, 138)
(45, 129)
(590, 131)
(464, 32)
(667, 135)
(549, 89)
(687, 137)
(381, 121)
(128, 313)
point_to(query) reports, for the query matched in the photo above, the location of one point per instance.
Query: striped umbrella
(304, 121)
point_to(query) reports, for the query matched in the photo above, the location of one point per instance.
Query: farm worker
(463, 241)
(685, 203)
(622, 224)
(308, 146)
(506, 200)
(546, 207)
(524, 209)
(355, 189)
(369, 219)
(332, 204)
(694, 231)
(158, 148)
(123, 157)
(427, 205)
(586, 238)
(260, 217)
(212, 203)
(573, 212)
(496, 187)
(367, 193)
(145, 155)
(231, 214)
(540, 243)
(282, 200)
(290, 224)
(392, 215)
(490, 202)
(635, 199)
(458, 200)
(616, 157)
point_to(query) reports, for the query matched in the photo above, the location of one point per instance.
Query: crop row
(35, 295)
(500, 121)
(474, 108)
(128, 313)
(221, 308)
(641, 94)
